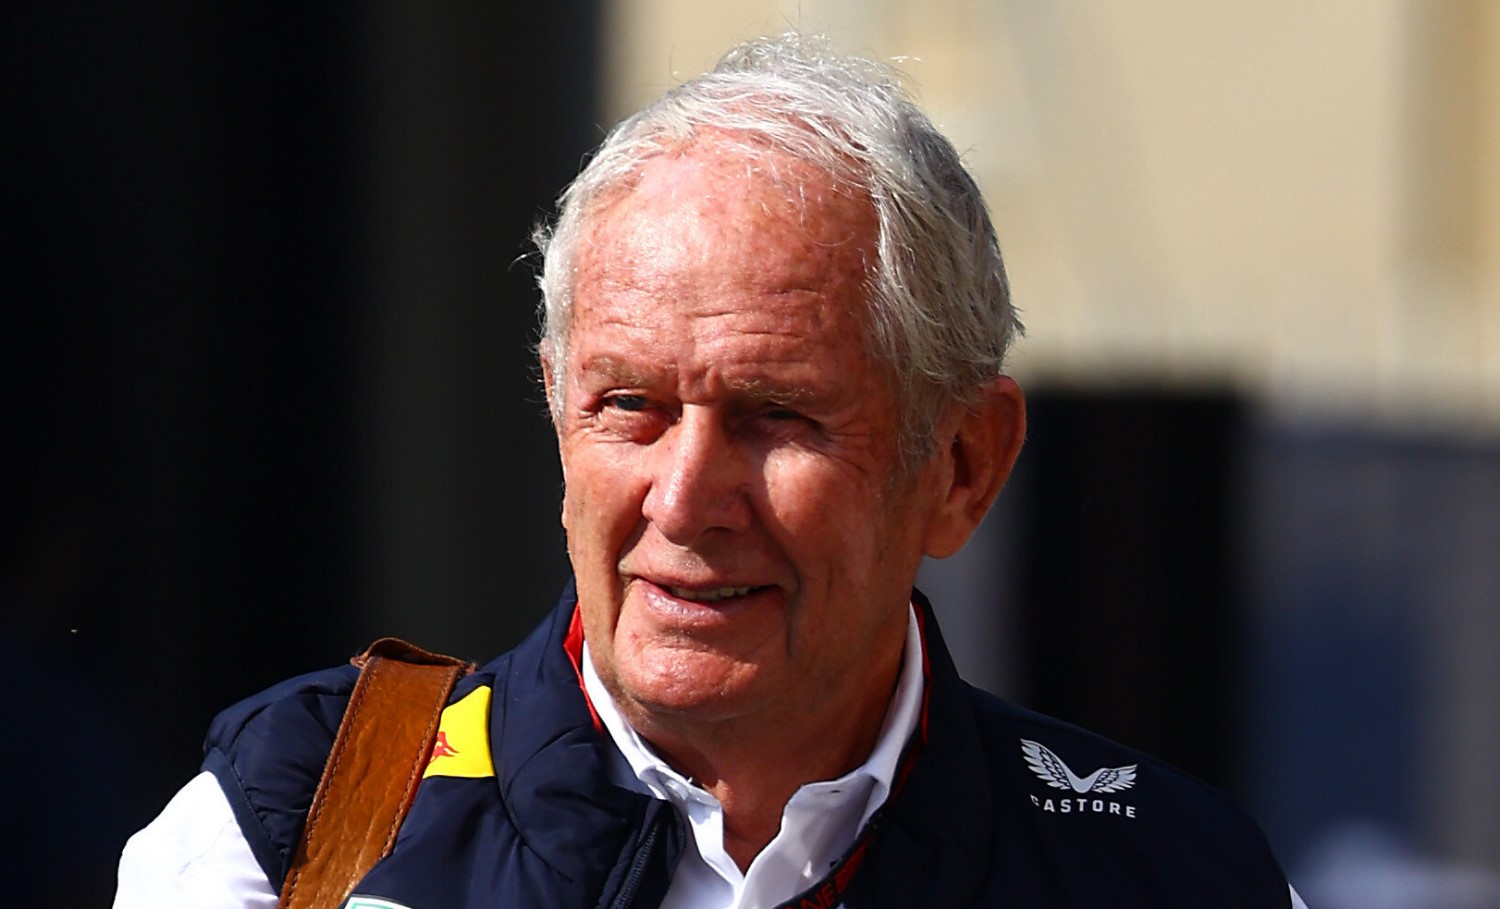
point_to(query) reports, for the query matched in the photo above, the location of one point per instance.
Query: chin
(695, 686)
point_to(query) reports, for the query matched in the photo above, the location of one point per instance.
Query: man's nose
(697, 482)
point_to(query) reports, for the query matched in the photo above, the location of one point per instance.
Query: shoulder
(268, 751)
(296, 718)
(1096, 802)
(1035, 748)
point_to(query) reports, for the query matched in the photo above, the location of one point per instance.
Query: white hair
(939, 317)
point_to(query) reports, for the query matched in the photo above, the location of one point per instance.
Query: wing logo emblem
(1051, 770)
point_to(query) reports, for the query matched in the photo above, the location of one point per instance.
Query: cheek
(577, 506)
(815, 509)
(574, 506)
(601, 499)
(850, 524)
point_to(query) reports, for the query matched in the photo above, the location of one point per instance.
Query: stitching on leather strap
(373, 771)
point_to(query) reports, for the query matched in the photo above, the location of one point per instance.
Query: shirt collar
(654, 775)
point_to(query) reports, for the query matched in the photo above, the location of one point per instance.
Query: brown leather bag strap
(372, 773)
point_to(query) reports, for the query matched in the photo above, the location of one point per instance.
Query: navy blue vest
(1001, 808)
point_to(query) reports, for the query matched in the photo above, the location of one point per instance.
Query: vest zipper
(638, 864)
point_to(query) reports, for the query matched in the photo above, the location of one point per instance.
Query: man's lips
(712, 595)
(703, 612)
(707, 595)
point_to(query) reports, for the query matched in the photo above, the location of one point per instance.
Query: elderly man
(776, 317)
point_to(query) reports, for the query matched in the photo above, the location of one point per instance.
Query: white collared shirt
(819, 823)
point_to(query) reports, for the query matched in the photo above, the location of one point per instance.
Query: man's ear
(979, 459)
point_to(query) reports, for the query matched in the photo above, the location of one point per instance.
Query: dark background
(262, 305)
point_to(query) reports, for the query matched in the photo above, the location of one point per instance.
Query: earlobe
(982, 453)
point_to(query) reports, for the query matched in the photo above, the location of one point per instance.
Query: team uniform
(538, 795)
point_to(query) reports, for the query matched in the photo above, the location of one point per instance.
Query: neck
(754, 766)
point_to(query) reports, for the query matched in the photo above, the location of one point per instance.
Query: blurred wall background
(268, 390)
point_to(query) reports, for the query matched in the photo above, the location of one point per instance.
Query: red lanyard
(829, 892)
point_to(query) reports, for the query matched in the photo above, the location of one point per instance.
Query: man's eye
(630, 403)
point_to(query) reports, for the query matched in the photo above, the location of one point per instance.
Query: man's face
(740, 547)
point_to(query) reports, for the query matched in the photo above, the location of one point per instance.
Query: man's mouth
(710, 595)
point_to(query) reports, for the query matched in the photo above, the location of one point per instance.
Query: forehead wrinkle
(632, 373)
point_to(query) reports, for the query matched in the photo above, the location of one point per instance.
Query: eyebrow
(762, 390)
(617, 369)
(627, 372)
